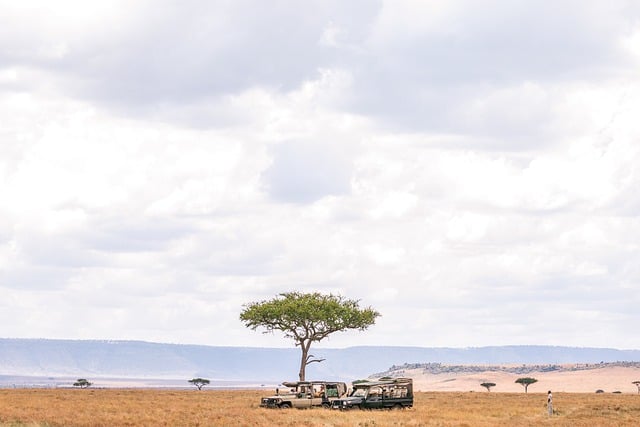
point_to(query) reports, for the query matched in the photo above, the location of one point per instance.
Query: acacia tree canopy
(488, 385)
(306, 318)
(199, 382)
(526, 382)
(82, 383)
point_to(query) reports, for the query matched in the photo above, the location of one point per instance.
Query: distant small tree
(526, 382)
(637, 383)
(199, 382)
(488, 385)
(82, 383)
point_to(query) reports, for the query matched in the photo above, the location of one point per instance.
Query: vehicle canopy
(384, 382)
(331, 388)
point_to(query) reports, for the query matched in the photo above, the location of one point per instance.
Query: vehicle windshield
(359, 392)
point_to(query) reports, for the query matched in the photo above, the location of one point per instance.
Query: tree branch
(311, 360)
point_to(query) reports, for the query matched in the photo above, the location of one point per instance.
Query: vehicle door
(318, 393)
(304, 398)
(374, 397)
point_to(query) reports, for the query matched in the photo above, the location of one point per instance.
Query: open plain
(154, 407)
(608, 379)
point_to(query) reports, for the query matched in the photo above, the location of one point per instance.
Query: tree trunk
(304, 347)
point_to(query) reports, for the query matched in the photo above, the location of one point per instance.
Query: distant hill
(138, 359)
(408, 369)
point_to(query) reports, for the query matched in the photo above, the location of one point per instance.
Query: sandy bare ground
(609, 379)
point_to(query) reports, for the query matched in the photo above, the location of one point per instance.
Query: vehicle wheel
(286, 405)
(326, 405)
(397, 407)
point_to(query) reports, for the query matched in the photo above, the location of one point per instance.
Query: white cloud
(455, 167)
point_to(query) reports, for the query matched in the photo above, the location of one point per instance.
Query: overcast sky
(470, 169)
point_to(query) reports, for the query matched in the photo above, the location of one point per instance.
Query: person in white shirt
(550, 403)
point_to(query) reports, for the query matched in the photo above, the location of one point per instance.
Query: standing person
(550, 403)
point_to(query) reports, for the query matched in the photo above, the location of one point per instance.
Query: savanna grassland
(149, 407)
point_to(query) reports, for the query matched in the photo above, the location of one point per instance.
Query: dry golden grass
(135, 407)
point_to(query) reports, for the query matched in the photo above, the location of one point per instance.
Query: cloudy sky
(469, 169)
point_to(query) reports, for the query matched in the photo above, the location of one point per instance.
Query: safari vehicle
(393, 393)
(305, 394)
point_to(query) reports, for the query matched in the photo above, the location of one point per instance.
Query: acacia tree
(637, 383)
(82, 383)
(488, 385)
(307, 318)
(199, 382)
(526, 382)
